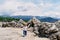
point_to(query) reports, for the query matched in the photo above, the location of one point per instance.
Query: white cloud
(52, 14)
(29, 8)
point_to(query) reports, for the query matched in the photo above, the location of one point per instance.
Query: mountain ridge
(41, 18)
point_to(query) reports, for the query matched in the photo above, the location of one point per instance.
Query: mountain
(48, 19)
(41, 18)
(26, 18)
(7, 19)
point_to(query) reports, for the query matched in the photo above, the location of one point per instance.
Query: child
(25, 30)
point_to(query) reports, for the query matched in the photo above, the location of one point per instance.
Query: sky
(49, 8)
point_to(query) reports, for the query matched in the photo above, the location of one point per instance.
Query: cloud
(30, 7)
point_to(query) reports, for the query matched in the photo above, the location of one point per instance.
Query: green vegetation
(8, 19)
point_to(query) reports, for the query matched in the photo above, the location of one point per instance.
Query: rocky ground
(16, 34)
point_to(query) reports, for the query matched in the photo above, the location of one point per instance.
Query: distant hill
(48, 19)
(7, 19)
(41, 18)
(26, 18)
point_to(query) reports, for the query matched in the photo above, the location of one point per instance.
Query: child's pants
(24, 32)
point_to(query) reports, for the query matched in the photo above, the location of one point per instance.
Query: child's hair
(25, 24)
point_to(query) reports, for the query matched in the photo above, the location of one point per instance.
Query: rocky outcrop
(58, 24)
(48, 30)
